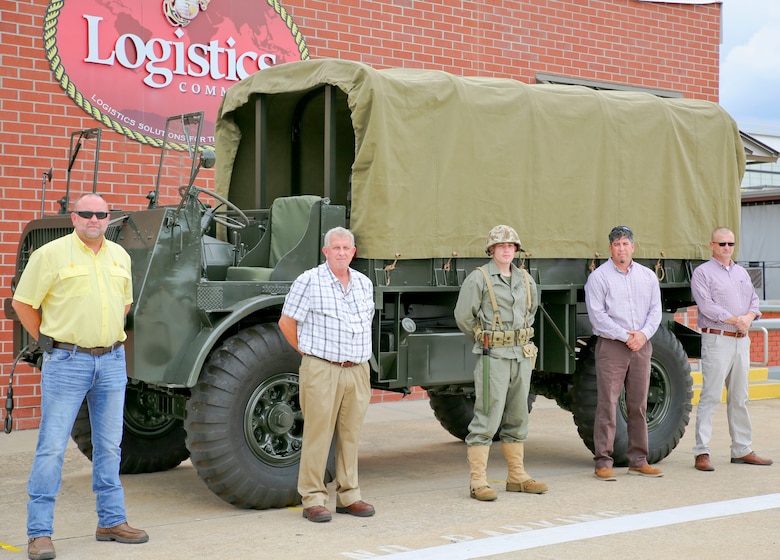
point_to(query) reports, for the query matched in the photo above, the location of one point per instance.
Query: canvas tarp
(440, 159)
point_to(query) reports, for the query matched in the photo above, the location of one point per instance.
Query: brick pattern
(664, 46)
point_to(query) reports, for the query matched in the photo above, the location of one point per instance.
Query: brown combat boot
(518, 480)
(478, 487)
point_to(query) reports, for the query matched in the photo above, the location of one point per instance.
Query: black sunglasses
(724, 243)
(87, 214)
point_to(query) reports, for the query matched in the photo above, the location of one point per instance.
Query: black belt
(724, 333)
(96, 351)
(340, 364)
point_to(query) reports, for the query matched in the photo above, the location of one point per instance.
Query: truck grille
(38, 237)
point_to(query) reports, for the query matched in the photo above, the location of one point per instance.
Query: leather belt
(96, 351)
(340, 364)
(724, 333)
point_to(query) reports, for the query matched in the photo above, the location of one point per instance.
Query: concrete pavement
(416, 476)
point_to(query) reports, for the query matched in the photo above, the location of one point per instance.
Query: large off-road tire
(244, 422)
(454, 412)
(668, 400)
(150, 443)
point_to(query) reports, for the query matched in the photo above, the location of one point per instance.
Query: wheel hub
(273, 421)
(280, 418)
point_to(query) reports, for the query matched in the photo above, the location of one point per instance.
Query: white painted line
(480, 548)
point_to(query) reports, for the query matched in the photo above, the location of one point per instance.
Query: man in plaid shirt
(327, 318)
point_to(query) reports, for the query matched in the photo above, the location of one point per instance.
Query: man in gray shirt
(728, 305)
(624, 307)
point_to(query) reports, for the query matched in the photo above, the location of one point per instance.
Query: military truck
(419, 165)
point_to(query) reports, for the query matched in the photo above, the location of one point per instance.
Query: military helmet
(502, 234)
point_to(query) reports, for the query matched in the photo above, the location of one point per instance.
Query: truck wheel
(149, 443)
(244, 422)
(668, 400)
(454, 412)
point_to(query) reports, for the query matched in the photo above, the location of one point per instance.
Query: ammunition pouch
(531, 351)
(505, 339)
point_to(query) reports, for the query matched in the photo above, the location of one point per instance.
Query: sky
(750, 64)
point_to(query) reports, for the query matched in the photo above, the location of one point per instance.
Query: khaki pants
(334, 401)
(724, 360)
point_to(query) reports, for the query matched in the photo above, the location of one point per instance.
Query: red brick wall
(757, 343)
(623, 41)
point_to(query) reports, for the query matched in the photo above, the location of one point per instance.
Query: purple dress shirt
(722, 292)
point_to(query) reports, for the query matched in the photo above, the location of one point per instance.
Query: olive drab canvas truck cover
(439, 159)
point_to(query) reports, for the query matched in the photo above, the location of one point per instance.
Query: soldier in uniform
(496, 307)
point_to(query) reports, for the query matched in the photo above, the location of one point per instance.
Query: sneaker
(40, 548)
(645, 470)
(605, 473)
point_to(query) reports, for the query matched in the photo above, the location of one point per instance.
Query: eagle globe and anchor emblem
(180, 13)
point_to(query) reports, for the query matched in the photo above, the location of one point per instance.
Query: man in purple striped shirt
(624, 307)
(728, 305)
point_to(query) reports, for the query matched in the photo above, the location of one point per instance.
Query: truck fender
(210, 337)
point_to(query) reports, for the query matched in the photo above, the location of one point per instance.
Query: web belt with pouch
(499, 338)
(505, 339)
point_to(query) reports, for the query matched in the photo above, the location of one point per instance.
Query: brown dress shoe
(751, 459)
(703, 462)
(605, 473)
(122, 533)
(358, 509)
(646, 470)
(40, 548)
(317, 514)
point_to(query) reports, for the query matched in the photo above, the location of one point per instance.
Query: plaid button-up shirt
(333, 324)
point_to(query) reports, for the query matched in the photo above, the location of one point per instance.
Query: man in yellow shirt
(72, 298)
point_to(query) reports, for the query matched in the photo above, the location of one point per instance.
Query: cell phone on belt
(45, 343)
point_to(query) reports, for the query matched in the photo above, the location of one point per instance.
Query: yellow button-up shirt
(81, 295)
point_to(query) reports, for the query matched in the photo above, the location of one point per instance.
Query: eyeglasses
(724, 243)
(87, 214)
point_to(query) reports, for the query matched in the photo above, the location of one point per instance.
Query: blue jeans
(66, 378)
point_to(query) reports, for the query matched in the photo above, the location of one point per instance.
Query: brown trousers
(618, 366)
